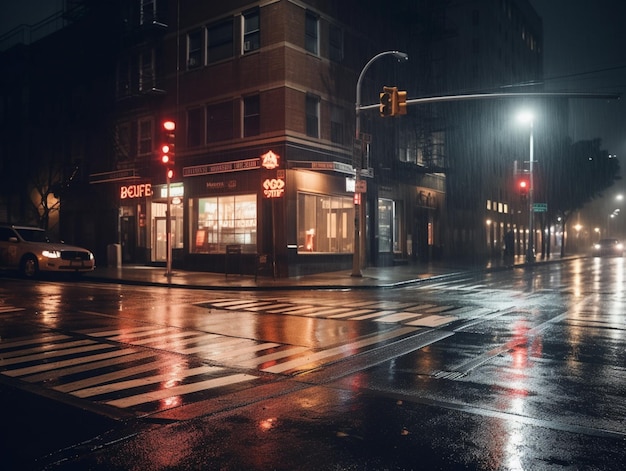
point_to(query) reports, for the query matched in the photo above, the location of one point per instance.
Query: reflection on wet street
(509, 370)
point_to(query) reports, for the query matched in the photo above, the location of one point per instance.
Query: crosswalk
(4, 308)
(387, 312)
(145, 368)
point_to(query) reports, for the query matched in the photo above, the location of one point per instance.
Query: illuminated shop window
(219, 221)
(325, 224)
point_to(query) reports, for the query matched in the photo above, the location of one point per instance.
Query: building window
(122, 142)
(219, 122)
(251, 31)
(311, 33)
(144, 136)
(335, 43)
(337, 119)
(147, 78)
(325, 224)
(195, 127)
(123, 78)
(385, 225)
(220, 41)
(219, 221)
(147, 12)
(312, 116)
(251, 116)
(194, 48)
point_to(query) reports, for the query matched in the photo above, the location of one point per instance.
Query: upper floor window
(251, 40)
(251, 116)
(122, 141)
(335, 43)
(147, 76)
(144, 137)
(194, 48)
(337, 118)
(123, 78)
(220, 41)
(147, 12)
(312, 116)
(311, 33)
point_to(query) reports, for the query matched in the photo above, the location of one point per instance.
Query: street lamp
(527, 117)
(359, 210)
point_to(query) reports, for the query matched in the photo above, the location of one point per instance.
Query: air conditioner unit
(246, 46)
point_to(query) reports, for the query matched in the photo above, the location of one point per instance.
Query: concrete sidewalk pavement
(372, 277)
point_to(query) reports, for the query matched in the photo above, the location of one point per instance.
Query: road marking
(145, 381)
(343, 350)
(180, 390)
(379, 311)
(65, 363)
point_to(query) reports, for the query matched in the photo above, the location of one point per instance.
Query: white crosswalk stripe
(8, 308)
(415, 314)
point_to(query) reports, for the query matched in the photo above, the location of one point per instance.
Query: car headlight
(51, 253)
(619, 246)
(596, 246)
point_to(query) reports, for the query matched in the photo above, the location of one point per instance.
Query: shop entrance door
(160, 240)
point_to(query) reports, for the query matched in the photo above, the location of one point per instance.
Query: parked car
(31, 250)
(605, 247)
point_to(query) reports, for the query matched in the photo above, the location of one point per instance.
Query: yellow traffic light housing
(392, 102)
(386, 101)
(401, 100)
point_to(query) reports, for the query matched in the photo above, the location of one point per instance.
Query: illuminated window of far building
(218, 221)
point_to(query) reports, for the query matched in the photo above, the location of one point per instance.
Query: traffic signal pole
(359, 210)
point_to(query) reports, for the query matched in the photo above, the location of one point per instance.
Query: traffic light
(401, 102)
(523, 186)
(168, 142)
(387, 98)
(392, 102)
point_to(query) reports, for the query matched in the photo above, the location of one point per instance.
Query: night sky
(584, 50)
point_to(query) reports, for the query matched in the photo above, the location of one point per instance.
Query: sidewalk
(372, 277)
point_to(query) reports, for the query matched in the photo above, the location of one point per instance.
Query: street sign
(540, 207)
(361, 186)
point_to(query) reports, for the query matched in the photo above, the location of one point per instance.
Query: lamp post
(528, 117)
(359, 210)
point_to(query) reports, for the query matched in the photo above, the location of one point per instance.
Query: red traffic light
(523, 186)
(168, 141)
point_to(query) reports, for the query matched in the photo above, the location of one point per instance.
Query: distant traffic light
(523, 187)
(168, 142)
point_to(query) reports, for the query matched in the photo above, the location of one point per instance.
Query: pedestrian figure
(509, 248)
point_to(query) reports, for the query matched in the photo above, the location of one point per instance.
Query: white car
(30, 250)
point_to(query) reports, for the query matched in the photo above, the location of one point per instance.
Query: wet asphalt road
(514, 370)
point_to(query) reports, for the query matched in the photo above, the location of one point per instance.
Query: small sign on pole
(540, 207)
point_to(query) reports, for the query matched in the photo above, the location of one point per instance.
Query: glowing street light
(528, 117)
